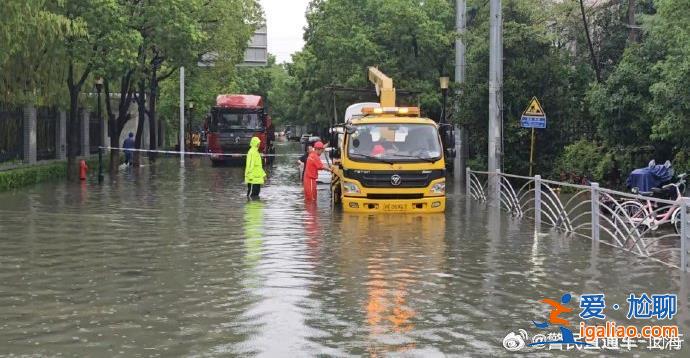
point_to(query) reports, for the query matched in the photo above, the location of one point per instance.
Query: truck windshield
(226, 122)
(394, 143)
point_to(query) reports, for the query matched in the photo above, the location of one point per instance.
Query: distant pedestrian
(128, 144)
(254, 174)
(311, 171)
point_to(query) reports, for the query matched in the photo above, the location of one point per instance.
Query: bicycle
(646, 215)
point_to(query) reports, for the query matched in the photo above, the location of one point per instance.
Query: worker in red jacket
(311, 171)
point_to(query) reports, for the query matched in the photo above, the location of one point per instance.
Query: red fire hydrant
(83, 168)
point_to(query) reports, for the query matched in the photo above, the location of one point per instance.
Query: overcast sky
(285, 20)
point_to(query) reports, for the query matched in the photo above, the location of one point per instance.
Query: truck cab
(234, 120)
(389, 160)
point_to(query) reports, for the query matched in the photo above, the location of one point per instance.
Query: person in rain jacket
(311, 171)
(254, 174)
(128, 144)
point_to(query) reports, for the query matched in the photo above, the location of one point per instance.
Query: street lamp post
(99, 87)
(191, 109)
(444, 81)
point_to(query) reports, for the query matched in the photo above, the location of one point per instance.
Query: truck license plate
(394, 207)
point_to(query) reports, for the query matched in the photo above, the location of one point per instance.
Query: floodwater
(169, 261)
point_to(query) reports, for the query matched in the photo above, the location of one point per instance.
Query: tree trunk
(112, 129)
(632, 27)
(595, 62)
(153, 125)
(72, 130)
(141, 101)
(73, 120)
(117, 122)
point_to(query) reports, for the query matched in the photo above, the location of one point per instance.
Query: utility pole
(495, 94)
(182, 115)
(461, 136)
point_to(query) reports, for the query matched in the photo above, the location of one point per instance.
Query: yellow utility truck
(388, 158)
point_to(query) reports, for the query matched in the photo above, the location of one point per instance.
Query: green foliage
(275, 85)
(587, 159)
(639, 110)
(219, 27)
(17, 178)
(409, 41)
(31, 34)
(681, 162)
(639, 104)
(581, 158)
(619, 103)
(532, 67)
(644, 102)
(671, 101)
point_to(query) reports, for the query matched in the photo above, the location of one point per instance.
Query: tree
(408, 40)
(670, 107)
(171, 34)
(642, 103)
(103, 21)
(29, 59)
(533, 66)
(592, 54)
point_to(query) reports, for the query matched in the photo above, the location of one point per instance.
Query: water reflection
(313, 230)
(396, 251)
(253, 232)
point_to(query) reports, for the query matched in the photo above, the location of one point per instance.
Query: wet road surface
(170, 261)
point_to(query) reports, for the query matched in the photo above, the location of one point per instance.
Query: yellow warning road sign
(534, 108)
(533, 117)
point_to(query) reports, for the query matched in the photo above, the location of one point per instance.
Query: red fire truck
(235, 119)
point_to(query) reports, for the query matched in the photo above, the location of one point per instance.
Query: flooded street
(170, 261)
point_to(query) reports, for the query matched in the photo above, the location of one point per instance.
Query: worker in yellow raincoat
(254, 174)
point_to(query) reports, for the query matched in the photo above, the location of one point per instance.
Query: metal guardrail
(639, 224)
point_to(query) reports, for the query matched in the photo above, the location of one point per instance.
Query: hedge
(21, 177)
(31, 175)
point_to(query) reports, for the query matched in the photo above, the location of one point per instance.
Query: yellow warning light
(409, 111)
(392, 110)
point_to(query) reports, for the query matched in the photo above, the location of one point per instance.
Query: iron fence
(46, 126)
(646, 226)
(95, 136)
(11, 134)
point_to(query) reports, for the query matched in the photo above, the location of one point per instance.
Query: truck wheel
(335, 197)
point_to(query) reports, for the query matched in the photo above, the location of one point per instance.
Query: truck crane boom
(384, 87)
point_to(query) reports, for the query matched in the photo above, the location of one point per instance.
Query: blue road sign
(533, 121)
